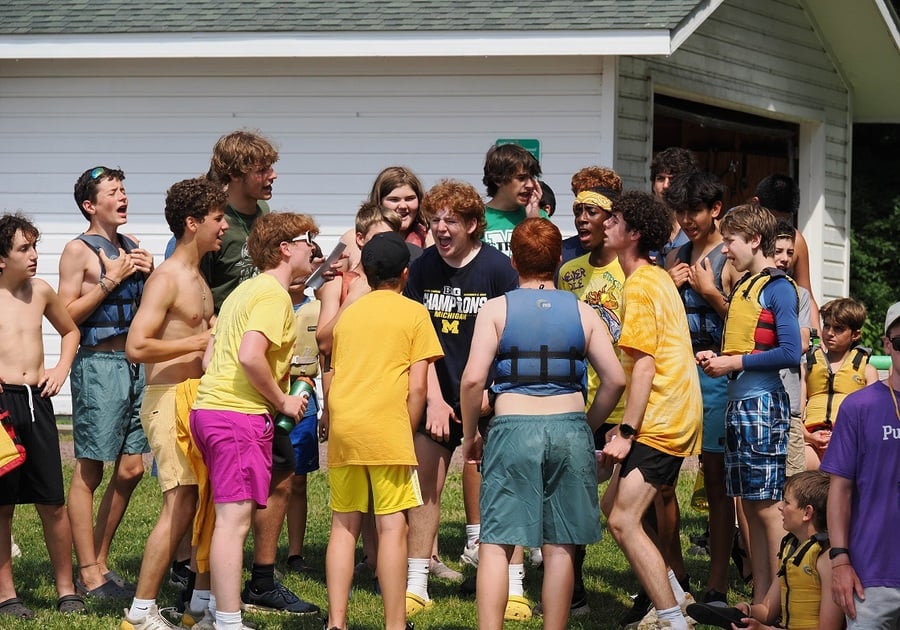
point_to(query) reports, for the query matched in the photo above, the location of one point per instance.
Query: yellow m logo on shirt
(451, 327)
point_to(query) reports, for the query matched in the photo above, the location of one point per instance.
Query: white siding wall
(337, 123)
(761, 57)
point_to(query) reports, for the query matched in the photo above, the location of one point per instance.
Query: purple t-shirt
(865, 447)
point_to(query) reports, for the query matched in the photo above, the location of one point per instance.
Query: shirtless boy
(169, 335)
(25, 391)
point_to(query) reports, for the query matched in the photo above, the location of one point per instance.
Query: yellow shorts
(392, 488)
(158, 422)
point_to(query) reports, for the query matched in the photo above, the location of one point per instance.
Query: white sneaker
(198, 621)
(15, 552)
(651, 620)
(536, 556)
(153, 621)
(470, 554)
(440, 570)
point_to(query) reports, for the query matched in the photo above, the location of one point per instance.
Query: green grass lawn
(607, 575)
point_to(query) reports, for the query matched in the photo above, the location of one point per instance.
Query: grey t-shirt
(790, 377)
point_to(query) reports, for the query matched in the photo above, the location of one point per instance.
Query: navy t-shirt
(453, 297)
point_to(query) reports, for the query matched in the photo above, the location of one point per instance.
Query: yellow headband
(594, 199)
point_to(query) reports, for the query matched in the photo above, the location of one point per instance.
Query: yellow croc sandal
(415, 604)
(518, 608)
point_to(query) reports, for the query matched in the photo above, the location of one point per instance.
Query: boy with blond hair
(801, 597)
(761, 336)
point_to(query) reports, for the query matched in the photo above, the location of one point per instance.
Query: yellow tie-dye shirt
(654, 322)
(601, 289)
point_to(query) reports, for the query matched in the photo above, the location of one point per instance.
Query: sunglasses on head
(97, 172)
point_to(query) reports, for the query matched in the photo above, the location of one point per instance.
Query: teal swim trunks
(107, 392)
(539, 481)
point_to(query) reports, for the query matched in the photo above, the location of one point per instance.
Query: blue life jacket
(541, 351)
(704, 322)
(114, 314)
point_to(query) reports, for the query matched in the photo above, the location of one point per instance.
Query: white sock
(228, 620)
(199, 600)
(140, 608)
(516, 579)
(473, 533)
(676, 588)
(212, 605)
(674, 616)
(417, 577)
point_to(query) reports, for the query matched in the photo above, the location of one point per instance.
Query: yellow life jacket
(801, 586)
(750, 328)
(826, 389)
(305, 361)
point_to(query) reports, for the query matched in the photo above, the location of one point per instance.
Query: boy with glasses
(245, 383)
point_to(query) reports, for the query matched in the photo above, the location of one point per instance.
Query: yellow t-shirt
(601, 289)
(376, 340)
(654, 322)
(259, 304)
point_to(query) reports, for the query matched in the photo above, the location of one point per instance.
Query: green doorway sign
(532, 145)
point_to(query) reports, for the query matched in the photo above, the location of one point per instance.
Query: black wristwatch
(627, 431)
(834, 552)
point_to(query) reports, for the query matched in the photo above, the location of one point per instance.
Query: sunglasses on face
(895, 343)
(306, 237)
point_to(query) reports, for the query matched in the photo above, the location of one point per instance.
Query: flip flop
(107, 590)
(713, 615)
(70, 604)
(15, 608)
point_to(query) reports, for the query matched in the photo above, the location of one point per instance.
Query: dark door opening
(741, 149)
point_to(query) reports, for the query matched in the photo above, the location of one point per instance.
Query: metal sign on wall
(532, 145)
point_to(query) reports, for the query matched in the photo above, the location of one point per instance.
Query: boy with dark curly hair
(169, 335)
(661, 423)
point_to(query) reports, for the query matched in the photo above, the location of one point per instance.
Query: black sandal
(739, 556)
(712, 615)
(70, 604)
(15, 608)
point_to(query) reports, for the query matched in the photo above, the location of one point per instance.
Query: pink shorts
(237, 450)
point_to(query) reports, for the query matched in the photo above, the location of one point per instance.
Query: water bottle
(299, 387)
